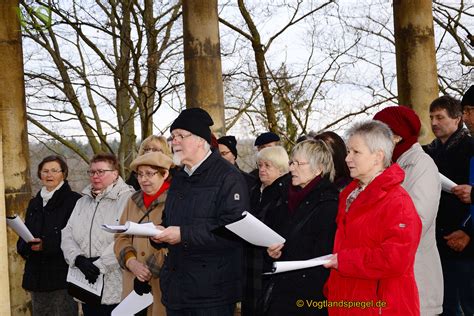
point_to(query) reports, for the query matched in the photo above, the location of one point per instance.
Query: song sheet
(132, 304)
(75, 276)
(131, 228)
(446, 183)
(284, 266)
(20, 228)
(254, 231)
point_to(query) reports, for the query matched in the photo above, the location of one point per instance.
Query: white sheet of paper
(254, 231)
(284, 266)
(20, 228)
(132, 304)
(75, 276)
(131, 228)
(446, 183)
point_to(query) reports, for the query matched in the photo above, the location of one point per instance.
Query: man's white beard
(177, 159)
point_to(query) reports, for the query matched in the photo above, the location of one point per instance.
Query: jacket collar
(325, 190)
(137, 197)
(453, 140)
(112, 192)
(377, 189)
(64, 188)
(205, 165)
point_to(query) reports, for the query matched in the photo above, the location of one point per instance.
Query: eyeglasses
(99, 172)
(297, 163)
(151, 149)
(179, 137)
(53, 171)
(223, 153)
(147, 175)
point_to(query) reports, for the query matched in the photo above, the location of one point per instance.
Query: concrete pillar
(202, 60)
(4, 282)
(15, 144)
(417, 76)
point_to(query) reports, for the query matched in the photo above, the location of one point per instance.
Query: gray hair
(377, 136)
(277, 155)
(318, 154)
(206, 145)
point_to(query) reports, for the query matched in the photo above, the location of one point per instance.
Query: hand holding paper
(463, 192)
(171, 235)
(274, 251)
(36, 244)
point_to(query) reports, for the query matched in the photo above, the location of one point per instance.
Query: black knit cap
(196, 121)
(266, 138)
(468, 98)
(230, 142)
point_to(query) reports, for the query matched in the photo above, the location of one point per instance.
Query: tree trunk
(202, 60)
(125, 114)
(15, 145)
(417, 77)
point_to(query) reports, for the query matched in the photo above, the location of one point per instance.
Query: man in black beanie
(228, 150)
(202, 273)
(467, 104)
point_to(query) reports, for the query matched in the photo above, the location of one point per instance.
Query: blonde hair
(277, 155)
(319, 156)
(154, 138)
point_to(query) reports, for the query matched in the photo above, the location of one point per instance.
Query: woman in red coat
(378, 231)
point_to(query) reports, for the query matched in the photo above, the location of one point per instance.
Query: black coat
(452, 159)
(204, 270)
(315, 224)
(262, 203)
(46, 270)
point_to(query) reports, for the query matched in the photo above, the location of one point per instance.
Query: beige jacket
(422, 182)
(141, 248)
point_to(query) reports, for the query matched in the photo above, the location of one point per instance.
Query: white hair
(377, 136)
(277, 155)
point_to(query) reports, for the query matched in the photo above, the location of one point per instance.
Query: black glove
(141, 287)
(88, 268)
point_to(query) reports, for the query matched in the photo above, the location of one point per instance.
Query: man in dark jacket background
(202, 273)
(467, 104)
(452, 151)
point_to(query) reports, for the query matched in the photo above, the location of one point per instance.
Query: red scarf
(148, 199)
(296, 194)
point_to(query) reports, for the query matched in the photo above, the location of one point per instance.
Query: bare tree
(97, 67)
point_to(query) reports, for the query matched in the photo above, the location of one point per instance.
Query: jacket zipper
(378, 297)
(90, 230)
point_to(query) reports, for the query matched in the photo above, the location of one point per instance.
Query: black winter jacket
(46, 270)
(453, 159)
(262, 204)
(204, 270)
(309, 233)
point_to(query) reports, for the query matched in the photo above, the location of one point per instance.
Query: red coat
(376, 242)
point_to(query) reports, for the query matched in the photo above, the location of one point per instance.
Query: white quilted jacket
(83, 235)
